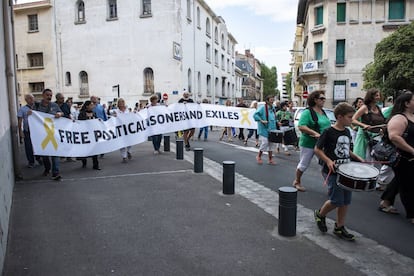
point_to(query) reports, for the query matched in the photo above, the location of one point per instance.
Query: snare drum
(290, 137)
(355, 176)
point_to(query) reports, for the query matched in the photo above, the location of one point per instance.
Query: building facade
(252, 82)
(133, 49)
(336, 39)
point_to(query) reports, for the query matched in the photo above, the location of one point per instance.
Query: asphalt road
(391, 231)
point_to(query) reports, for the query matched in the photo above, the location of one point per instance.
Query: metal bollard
(198, 160)
(228, 177)
(167, 143)
(287, 211)
(179, 149)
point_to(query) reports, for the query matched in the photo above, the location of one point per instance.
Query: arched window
(80, 11)
(190, 83)
(216, 39)
(208, 85)
(216, 86)
(84, 84)
(68, 79)
(148, 81)
(208, 27)
(198, 17)
(228, 46)
(222, 41)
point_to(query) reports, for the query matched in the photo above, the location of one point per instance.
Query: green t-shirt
(305, 140)
(387, 112)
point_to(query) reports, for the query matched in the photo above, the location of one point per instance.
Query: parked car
(299, 110)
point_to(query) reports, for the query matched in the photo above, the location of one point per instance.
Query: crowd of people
(351, 139)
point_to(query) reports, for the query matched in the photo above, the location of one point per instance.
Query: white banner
(64, 137)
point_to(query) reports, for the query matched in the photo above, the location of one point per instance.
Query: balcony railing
(311, 69)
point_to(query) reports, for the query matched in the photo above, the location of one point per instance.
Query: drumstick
(378, 126)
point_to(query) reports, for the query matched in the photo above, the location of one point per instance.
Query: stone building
(252, 83)
(335, 40)
(133, 49)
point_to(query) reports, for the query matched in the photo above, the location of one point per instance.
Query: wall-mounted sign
(354, 84)
(310, 66)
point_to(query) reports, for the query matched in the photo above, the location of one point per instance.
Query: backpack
(315, 118)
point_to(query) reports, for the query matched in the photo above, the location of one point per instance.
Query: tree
(393, 65)
(269, 80)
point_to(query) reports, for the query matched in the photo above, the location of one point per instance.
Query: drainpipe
(11, 82)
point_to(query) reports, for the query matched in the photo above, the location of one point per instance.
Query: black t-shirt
(336, 144)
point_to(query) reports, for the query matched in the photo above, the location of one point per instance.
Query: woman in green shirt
(311, 130)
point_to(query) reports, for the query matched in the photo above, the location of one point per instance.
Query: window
(198, 17)
(222, 42)
(319, 15)
(84, 84)
(228, 65)
(216, 35)
(208, 52)
(33, 23)
(340, 12)
(199, 83)
(80, 11)
(112, 9)
(318, 51)
(208, 27)
(396, 9)
(148, 81)
(190, 80)
(146, 7)
(68, 79)
(228, 47)
(189, 9)
(35, 59)
(208, 85)
(36, 87)
(223, 65)
(340, 52)
(216, 61)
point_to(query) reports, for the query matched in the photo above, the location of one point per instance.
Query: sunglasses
(321, 98)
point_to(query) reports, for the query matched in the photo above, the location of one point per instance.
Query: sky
(266, 27)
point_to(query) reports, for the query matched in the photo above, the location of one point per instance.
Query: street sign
(305, 94)
(165, 96)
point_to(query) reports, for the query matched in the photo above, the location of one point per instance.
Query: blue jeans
(28, 148)
(156, 141)
(205, 129)
(54, 166)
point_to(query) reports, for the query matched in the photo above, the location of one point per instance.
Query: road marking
(106, 176)
(365, 255)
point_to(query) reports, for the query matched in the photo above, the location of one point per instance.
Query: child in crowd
(333, 147)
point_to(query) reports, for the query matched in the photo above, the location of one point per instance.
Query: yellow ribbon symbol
(245, 116)
(50, 131)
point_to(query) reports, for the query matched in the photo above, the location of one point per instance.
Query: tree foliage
(269, 76)
(393, 65)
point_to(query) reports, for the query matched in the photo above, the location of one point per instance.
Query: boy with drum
(333, 148)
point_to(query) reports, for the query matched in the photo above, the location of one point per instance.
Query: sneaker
(156, 152)
(343, 234)
(57, 177)
(187, 147)
(124, 160)
(129, 156)
(320, 221)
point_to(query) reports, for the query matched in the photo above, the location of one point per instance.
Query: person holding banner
(87, 113)
(252, 131)
(188, 133)
(156, 139)
(47, 106)
(227, 130)
(265, 117)
(122, 109)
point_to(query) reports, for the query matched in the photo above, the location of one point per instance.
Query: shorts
(265, 145)
(338, 196)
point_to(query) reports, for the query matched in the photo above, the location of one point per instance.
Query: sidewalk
(151, 216)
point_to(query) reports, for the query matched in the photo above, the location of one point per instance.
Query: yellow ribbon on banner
(50, 131)
(245, 116)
